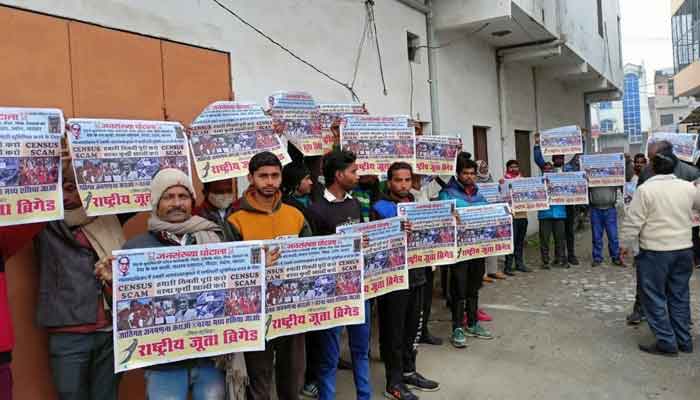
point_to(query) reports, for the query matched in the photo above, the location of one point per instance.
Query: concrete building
(685, 35)
(668, 110)
(492, 72)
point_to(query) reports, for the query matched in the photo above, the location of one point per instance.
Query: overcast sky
(646, 35)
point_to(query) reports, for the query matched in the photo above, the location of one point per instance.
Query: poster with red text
(378, 141)
(296, 116)
(226, 135)
(317, 283)
(484, 231)
(114, 161)
(182, 302)
(528, 194)
(432, 238)
(30, 165)
(332, 113)
(437, 155)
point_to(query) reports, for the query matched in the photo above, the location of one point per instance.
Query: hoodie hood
(249, 202)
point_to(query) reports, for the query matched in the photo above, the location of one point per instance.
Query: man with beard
(262, 216)
(401, 312)
(172, 224)
(338, 207)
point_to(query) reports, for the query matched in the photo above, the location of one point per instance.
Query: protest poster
(331, 113)
(437, 155)
(114, 161)
(567, 188)
(183, 302)
(685, 145)
(316, 284)
(385, 262)
(528, 194)
(493, 192)
(378, 141)
(604, 169)
(31, 188)
(296, 116)
(432, 238)
(562, 140)
(226, 135)
(484, 231)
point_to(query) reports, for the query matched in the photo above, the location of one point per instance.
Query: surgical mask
(221, 201)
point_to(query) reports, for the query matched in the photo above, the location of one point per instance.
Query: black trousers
(313, 360)
(400, 325)
(284, 358)
(570, 231)
(427, 298)
(519, 234)
(555, 227)
(466, 278)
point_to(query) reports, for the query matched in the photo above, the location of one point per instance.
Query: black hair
(398, 165)
(466, 164)
(463, 158)
(264, 159)
(664, 161)
(638, 156)
(337, 160)
(511, 162)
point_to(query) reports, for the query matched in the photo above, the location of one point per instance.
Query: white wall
(459, 13)
(327, 36)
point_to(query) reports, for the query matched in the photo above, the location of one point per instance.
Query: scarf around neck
(104, 233)
(203, 230)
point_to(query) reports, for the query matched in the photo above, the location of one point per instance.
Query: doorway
(522, 152)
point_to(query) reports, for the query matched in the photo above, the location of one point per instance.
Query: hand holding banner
(296, 115)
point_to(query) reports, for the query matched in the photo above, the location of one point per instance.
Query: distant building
(667, 110)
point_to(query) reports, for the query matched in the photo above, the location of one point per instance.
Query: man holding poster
(337, 207)
(466, 276)
(263, 216)
(400, 312)
(172, 224)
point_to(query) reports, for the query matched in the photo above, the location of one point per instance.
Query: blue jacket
(455, 191)
(554, 212)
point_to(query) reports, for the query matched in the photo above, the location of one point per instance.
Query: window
(666, 119)
(481, 149)
(607, 125)
(413, 42)
(605, 105)
(685, 34)
(601, 31)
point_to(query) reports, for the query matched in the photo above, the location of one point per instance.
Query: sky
(646, 35)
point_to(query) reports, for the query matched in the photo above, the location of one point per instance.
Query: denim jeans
(330, 353)
(604, 220)
(664, 280)
(205, 380)
(82, 365)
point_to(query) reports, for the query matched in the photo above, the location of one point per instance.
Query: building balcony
(687, 81)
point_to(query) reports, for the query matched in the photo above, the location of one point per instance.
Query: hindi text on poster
(378, 141)
(332, 113)
(182, 302)
(437, 155)
(316, 284)
(384, 258)
(685, 145)
(115, 160)
(528, 194)
(30, 165)
(567, 188)
(226, 135)
(563, 140)
(296, 115)
(604, 169)
(432, 239)
(484, 231)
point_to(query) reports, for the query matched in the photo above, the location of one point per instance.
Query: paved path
(560, 334)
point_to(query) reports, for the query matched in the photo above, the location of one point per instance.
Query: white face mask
(221, 201)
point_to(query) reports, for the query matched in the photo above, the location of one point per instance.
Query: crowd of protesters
(314, 197)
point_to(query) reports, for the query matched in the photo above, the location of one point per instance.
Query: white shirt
(332, 199)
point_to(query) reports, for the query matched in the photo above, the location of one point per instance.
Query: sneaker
(687, 348)
(523, 268)
(310, 390)
(595, 264)
(573, 260)
(545, 266)
(509, 272)
(428, 338)
(635, 318)
(399, 392)
(479, 332)
(561, 264)
(618, 262)
(458, 339)
(498, 275)
(481, 315)
(419, 382)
